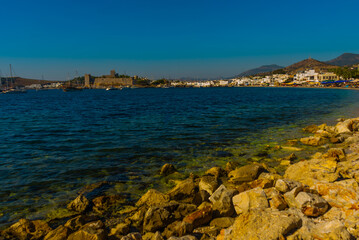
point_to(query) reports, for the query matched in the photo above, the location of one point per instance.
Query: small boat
(71, 89)
(112, 88)
(14, 91)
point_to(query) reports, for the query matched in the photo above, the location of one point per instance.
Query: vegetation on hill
(346, 72)
(309, 63)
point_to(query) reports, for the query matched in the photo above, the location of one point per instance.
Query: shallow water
(53, 143)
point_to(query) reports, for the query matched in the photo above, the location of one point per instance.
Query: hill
(21, 82)
(345, 60)
(262, 69)
(309, 63)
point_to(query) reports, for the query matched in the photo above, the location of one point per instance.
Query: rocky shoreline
(317, 198)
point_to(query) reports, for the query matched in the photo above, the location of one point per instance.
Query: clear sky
(172, 38)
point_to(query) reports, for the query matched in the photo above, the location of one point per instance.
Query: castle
(111, 80)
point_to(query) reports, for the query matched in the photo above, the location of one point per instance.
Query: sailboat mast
(11, 77)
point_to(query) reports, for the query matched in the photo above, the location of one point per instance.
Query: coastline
(226, 201)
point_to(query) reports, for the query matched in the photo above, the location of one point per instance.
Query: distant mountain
(309, 63)
(262, 69)
(21, 82)
(345, 60)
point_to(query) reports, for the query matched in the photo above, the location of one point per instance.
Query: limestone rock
(230, 166)
(251, 199)
(76, 223)
(103, 203)
(184, 189)
(222, 201)
(313, 141)
(152, 197)
(246, 173)
(311, 129)
(276, 201)
(285, 185)
(264, 224)
(25, 229)
(314, 169)
(291, 195)
(336, 154)
(346, 126)
(207, 231)
(223, 222)
(208, 183)
(215, 171)
(262, 183)
(120, 229)
(177, 229)
(199, 217)
(331, 230)
(311, 204)
(157, 218)
(60, 233)
(167, 169)
(80, 204)
(187, 237)
(132, 236)
(92, 230)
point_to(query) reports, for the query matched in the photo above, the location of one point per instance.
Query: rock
(177, 229)
(222, 201)
(337, 195)
(313, 141)
(311, 204)
(167, 169)
(223, 222)
(103, 203)
(152, 236)
(132, 236)
(346, 126)
(60, 233)
(159, 217)
(208, 231)
(80, 204)
(187, 237)
(76, 223)
(264, 224)
(199, 217)
(336, 154)
(92, 230)
(269, 176)
(262, 183)
(285, 185)
(311, 129)
(120, 229)
(315, 169)
(251, 199)
(336, 139)
(276, 201)
(152, 197)
(225, 234)
(246, 173)
(331, 230)
(215, 171)
(230, 166)
(290, 196)
(25, 229)
(184, 189)
(94, 189)
(208, 183)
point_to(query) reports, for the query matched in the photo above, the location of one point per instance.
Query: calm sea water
(53, 143)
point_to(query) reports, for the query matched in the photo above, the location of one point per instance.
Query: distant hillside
(21, 82)
(309, 63)
(262, 69)
(345, 60)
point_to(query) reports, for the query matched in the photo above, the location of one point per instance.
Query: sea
(53, 143)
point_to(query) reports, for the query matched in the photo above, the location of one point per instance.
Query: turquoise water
(53, 143)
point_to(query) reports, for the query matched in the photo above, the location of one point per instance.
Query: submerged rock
(80, 204)
(167, 169)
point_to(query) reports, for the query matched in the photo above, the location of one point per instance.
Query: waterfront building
(113, 81)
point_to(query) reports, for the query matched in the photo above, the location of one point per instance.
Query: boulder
(103, 203)
(262, 183)
(311, 129)
(158, 217)
(208, 183)
(307, 172)
(207, 232)
(285, 185)
(246, 173)
(80, 204)
(311, 204)
(132, 236)
(331, 230)
(276, 201)
(184, 189)
(222, 201)
(25, 229)
(187, 237)
(92, 230)
(152, 236)
(76, 223)
(290, 196)
(120, 229)
(60, 233)
(177, 229)
(264, 224)
(336, 154)
(223, 222)
(216, 171)
(167, 169)
(314, 141)
(152, 197)
(347, 126)
(251, 199)
(199, 217)
(230, 166)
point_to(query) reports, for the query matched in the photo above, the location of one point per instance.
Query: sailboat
(12, 90)
(69, 87)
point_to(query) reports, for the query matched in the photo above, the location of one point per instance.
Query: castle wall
(107, 82)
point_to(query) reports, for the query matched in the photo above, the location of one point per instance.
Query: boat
(112, 88)
(12, 90)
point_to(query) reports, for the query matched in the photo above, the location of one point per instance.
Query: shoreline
(225, 202)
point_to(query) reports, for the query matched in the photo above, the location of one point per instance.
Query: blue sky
(56, 39)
